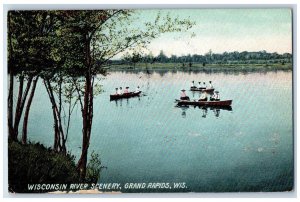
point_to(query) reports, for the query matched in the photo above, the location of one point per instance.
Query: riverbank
(201, 67)
(34, 168)
(35, 164)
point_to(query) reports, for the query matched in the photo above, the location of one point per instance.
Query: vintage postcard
(150, 100)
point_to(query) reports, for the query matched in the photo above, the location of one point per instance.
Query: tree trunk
(86, 129)
(87, 113)
(20, 105)
(19, 99)
(59, 138)
(26, 116)
(56, 144)
(10, 104)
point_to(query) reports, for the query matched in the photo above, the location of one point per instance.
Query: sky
(224, 30)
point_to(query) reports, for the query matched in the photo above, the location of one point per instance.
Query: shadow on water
(204, 109)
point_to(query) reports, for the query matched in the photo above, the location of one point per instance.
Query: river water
(148, 139)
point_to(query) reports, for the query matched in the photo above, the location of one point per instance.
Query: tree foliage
(245, 57)
(68, 48)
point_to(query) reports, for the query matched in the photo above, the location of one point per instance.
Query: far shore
(201, 67)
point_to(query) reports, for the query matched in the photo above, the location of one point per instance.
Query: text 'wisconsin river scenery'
(146, 101)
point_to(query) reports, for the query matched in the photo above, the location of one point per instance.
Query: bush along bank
(33, 168)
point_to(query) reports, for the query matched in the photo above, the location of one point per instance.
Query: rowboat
(197, 89)
(208, 90)
(221, 103)
(124, 95)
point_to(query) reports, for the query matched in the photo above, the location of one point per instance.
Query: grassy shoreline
(200, 67)
(35, 164)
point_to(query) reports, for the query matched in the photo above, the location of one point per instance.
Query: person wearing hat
(126, 90)
(193, 85)
(215, 96)
(203, 96)
(183, 96)
(117, 91)
(120, 91)
(199, 85)
(137, 89)
(210, 86)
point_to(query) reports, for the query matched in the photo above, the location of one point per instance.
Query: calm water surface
(148, 139)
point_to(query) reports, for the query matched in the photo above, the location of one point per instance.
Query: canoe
(208, 90)
(124, 95)
(197, 89)
(205, 103)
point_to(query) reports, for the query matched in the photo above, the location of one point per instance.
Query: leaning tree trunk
(56, 144)
(20, 105)
(59, 137)
(87, 118)
(26, 115)
(10, 104)
(87, 112)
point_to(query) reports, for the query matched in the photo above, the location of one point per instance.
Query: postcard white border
(152, 4)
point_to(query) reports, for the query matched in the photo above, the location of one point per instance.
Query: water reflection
(120, 102)
(184, 109)
(204, 109)
(204, 112)
(216, 112)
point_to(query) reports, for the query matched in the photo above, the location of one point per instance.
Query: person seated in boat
(199, 85)
(120, 91)
(204, 85)
(215, 96)
(203, 97)
(193, 84)
(210, 86)
(137, 89)
(117, 91)
(183, 96)
(126, 90)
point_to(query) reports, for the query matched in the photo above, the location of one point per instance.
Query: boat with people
(194, 88)
(125, 95)
(203, 89)
(219, 103)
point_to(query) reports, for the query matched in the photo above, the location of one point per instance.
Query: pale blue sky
(225, 30)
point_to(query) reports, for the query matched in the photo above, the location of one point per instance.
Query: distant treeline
(245, 57)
